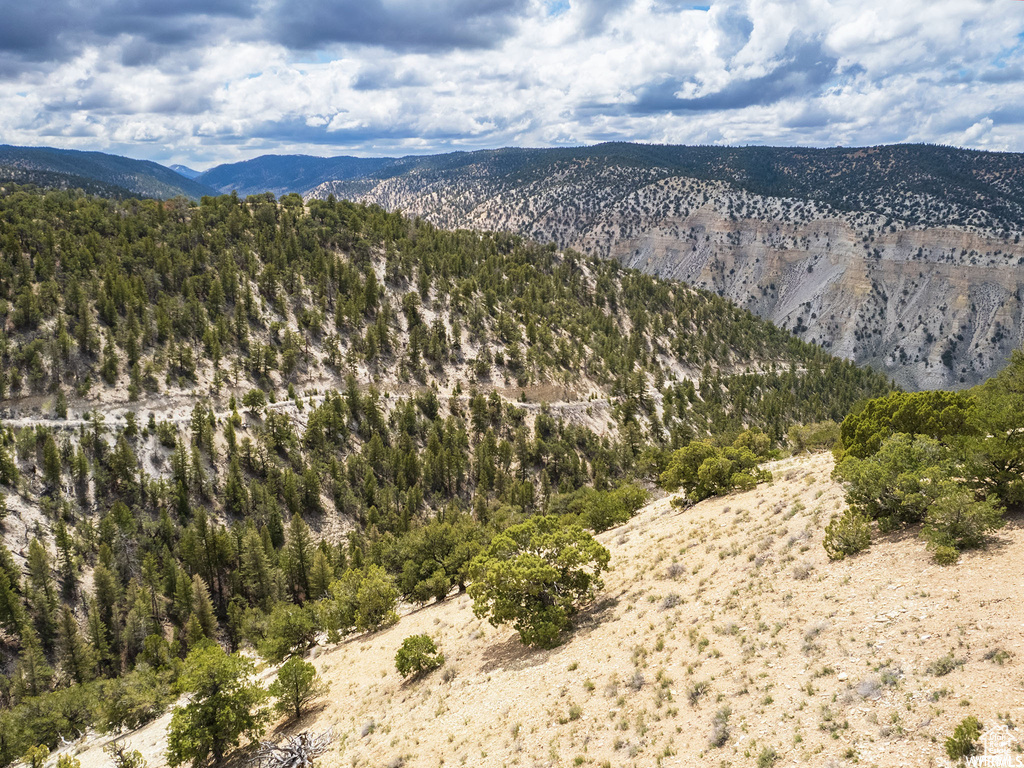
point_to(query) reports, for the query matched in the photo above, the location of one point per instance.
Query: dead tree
(298, 752)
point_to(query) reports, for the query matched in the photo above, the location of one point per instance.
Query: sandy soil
(731, 605)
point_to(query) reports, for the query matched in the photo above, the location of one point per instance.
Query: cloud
(220, 80)
(398, 24)
(58, 30)
(801, 72)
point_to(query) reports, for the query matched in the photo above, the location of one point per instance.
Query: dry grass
(757, 643)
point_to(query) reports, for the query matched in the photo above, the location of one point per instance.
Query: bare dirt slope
(728, 607)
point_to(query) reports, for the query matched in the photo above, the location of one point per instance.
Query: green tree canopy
(536, 575)
(296, 685)
(417, 654)
(225, 704)
(937, 414)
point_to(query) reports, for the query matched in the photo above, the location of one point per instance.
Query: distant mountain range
(281, 174)
(184, 170)
(117, 175)
(905, 257)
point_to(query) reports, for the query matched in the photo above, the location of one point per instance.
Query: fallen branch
(298, 752)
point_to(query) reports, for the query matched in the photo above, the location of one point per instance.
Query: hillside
(215, 416)
(906, 257)
(141, 178)
(902, 257)
(29, 177)
(729, 606)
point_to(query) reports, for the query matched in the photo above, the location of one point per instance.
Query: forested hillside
(140, 177)
(257, 420)
(905, 257)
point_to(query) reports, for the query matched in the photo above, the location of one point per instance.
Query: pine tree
(76, 657)
(236, 499)
(51, 465)
(321, 575)
(12, 614)
(33, 673)
(202, 606)
(99, 637)
(65, 559)
(107, 597)
(42, 592)
(255, 578)
(300, 556)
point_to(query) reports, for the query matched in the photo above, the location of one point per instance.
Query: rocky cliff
(890, 257)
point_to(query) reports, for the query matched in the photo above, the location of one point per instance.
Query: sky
(201, 82)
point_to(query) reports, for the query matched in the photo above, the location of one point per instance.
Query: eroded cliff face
(931, 304)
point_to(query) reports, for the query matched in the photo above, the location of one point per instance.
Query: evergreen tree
(76, 657)
(300, 556)
(202, 606)
(225, 704)
(42, 593)
(33, 674)
(296, 685)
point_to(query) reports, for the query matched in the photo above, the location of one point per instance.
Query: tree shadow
(291, 727)
(411, 680)
(596, 612)
(511, 654)
(995, 541)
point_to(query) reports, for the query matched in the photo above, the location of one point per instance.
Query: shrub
(767, 758)
(741, 481)
(697, 690)
(36, 756)
(899, 481)
(956, 520)
(536, 575)
(703, 470)
(361, 599)
(135, 698)
(964, 741)
(720, 727)
(417, 655)
(944, 555)
(847, 534)
(822, 435)
(944, 665)
(123, 756)
(376, 600)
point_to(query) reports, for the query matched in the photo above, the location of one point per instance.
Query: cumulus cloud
(204, 81)
(401, 24)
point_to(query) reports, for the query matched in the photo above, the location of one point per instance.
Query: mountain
(273, 425)
(281, 174)
(185, 171)
(54, 180)
(141, 178)
(905, 257)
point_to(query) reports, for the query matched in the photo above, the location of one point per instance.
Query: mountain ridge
(140, 177)
(921, 244)
(905, 257)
